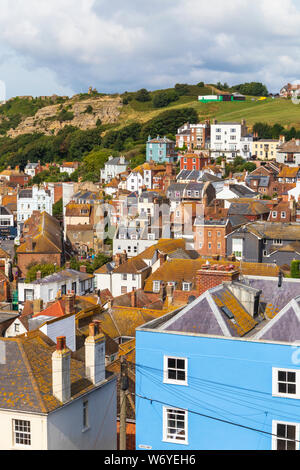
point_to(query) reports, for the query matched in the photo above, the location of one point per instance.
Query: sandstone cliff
(85, 115)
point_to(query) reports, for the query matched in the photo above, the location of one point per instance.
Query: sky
(65, 46)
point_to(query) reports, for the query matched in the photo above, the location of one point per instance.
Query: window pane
(282, 388)
(180, 364)
(281, 430)
(292, 388)
(291, 432)
(291, 377)
(291, 445)
(282, 376)
(172, 363)
(181, 375)
(281, 444)
(172, 374)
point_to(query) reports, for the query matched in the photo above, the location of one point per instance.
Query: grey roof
(237, 220)
(31, 166)
(4, 211)
(62, 276)
(273, 295)
(25, 194)
(205, 316)
(263, 181)
(184, 254)
(241, 190)
(285, 326)
(116, 161)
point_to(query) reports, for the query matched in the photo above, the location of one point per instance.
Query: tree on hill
(143, 95)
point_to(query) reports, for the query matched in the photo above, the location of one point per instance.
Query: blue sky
(65, 46)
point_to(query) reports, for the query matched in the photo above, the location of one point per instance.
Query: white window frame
(166, 438)
(275, 437)
(156, 286)
(275, 382)
(186, 286)
(166, 380)
(25, 434)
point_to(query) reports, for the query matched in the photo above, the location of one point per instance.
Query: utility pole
(123, 389)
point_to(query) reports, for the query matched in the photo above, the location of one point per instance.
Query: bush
(46, 269)
(164, 98)
(143, 95)
(65, 116)
(295, 269)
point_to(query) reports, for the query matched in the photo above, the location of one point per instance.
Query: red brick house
(193, 161)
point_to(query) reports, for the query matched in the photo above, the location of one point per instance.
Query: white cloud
(117, 45)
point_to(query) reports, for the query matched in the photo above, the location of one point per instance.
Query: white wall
(62, 327)
(65, 430)
(38, 430)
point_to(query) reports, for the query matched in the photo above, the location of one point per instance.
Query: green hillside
(271, 111)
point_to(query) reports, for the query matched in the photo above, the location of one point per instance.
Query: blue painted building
(224, 372)
(160, 150)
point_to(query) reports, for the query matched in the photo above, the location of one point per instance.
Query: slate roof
(272, 296)
(205, 315)
(45, 234)
(248, 208)
(26, 374)
(241, 190)
(285, 326)
(275, 230)
(62, 276)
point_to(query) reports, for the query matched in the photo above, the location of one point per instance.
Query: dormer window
(187, 286)
(156, 286)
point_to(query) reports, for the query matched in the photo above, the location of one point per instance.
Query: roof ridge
(31, 376)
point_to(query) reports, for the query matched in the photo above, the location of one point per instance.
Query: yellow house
(265, 149)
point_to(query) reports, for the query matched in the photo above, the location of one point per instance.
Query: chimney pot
(60, 343)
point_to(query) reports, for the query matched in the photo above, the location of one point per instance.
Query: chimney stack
(61, 364)
(95, 354)
(212, 276)
(133, 298)
(37, 306)
(68, 265)
(70, 304)
(38, 275)
(82, 268)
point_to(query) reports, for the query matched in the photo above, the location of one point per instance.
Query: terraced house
(223, 372)
(265, 242)
(58, 401)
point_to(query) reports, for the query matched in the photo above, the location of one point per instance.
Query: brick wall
(212, 276)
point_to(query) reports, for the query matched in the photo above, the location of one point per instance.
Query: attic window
(186, 286)
(228, 313)
(156, 286)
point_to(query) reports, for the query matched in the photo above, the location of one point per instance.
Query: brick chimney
(61, 364)
(133, 298)
(95, 354)
(68, 265)
(82, 268)
(212, 276)
(38, 275)
(70, 304)
(162, 258)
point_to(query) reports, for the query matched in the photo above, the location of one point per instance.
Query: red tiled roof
(56, 310)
